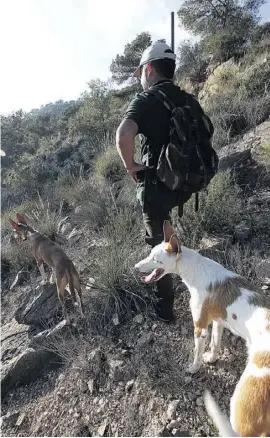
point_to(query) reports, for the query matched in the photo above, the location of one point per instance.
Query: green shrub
(219, 211)
(108, 165)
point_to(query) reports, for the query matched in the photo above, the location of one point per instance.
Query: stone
(20, 278)
(116, 369)
(66, 228)
(102, 429)
(39, 306)
(199, 401)
(91, 385)
(26, 368)
(129, 385)
(171, 411)
(138, 319)
(242, 231)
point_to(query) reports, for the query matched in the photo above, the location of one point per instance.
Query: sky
(52, 48)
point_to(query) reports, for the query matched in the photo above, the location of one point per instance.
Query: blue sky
(52, 48)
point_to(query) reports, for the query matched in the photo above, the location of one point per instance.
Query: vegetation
(61, 159)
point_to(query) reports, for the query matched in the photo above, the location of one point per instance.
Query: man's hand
(132, 171)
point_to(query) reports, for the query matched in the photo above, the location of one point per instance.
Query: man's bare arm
(125, 144)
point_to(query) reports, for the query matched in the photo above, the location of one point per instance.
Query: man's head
(157, 63)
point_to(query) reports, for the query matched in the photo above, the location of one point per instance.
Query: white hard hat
(153, 52)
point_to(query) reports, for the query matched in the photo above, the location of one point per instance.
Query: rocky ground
(64, 381)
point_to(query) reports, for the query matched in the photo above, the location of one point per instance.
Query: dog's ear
(14, 225)
(174, 245)
(168, 231)
(20, 219)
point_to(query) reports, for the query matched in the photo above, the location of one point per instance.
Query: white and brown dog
(226, 299)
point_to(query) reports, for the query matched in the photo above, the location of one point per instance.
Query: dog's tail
(220, 420)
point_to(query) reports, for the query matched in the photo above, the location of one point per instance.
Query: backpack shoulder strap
(162, 97)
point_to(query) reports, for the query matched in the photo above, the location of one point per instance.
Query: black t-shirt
(152, 119)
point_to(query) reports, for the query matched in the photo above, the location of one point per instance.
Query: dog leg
(61, 287)
(212, 355)
(200, 338)
(78, 294)
(52, 277)
(43, 273)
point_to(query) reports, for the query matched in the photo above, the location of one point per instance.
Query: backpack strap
(162, 97)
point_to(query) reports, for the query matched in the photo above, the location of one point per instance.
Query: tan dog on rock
(46, 251)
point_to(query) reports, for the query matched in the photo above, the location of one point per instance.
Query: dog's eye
(154, 259)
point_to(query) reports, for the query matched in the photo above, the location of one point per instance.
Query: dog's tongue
(151, 277)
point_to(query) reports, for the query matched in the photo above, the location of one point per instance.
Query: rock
(20, 419)
(66, 228)
(95, 358)
(83, 386)
(173, 424)
(199, 401)
(115, 319)
(39, 306)
(164, 432)
(79, 210)
(74, 233)
(91, 386)
(21, 363)
(90, 283)
(138, 319)
(235, 161)
(262, 270)
(19, 279)
(146, 339)
(188, 379)
(171, 411)
(178, 432)
(102, 429)
(116, 368)
(26, 368)
(10, 419)
(129, 385)
(242, 231)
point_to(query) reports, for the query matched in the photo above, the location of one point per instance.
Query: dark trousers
(153, 223)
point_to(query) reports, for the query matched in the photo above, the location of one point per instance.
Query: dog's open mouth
(154, 276)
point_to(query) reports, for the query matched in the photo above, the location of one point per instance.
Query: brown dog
(45, 251)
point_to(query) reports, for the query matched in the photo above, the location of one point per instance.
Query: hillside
(121, 372)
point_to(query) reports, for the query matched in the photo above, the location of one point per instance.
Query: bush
(219, 211)
(108, 165)
(265, 155)
(120, 292)
(17, 257)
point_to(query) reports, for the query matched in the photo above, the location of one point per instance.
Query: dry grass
(108, 165)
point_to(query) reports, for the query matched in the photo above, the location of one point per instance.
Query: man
(148, 117)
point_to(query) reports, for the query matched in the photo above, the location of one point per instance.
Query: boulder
(40, 306)
(22, 364)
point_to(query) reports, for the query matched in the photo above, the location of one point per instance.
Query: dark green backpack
(187, 162)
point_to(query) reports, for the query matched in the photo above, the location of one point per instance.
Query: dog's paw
(209, 357)
(192, 369)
